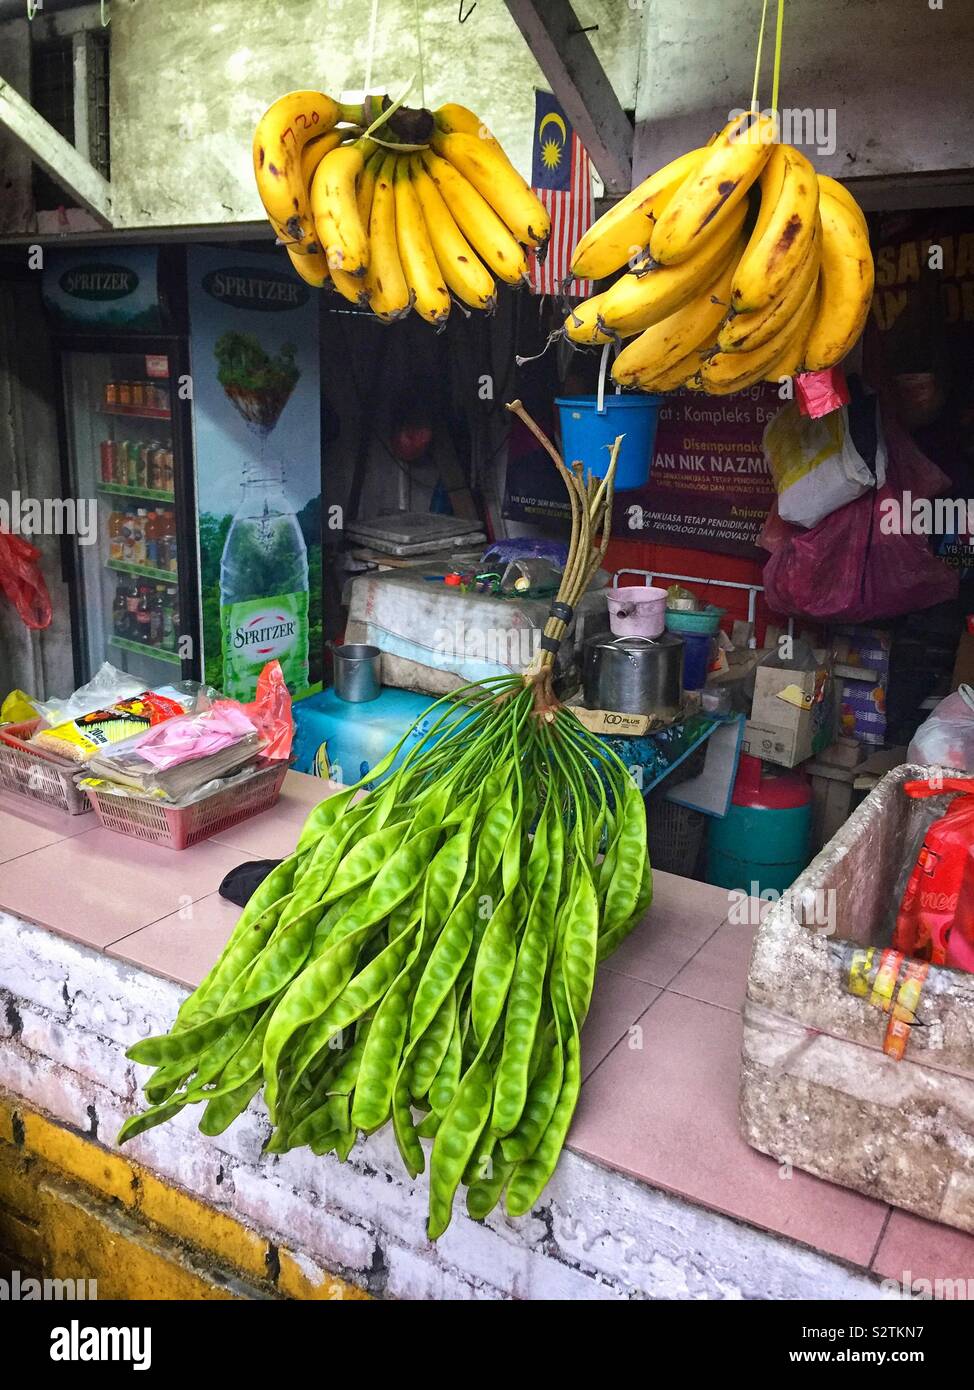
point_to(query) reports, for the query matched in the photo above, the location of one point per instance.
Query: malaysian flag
(561, 175)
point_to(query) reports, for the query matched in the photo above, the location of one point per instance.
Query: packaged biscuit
(79, 738)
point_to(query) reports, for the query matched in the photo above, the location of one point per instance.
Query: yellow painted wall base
(71, 1209)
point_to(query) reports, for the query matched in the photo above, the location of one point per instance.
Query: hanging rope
(32, 7)
(419, 49)
(757, 61)
(104, 22)
(777, 56)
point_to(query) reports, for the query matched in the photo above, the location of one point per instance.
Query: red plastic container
(180, 827)
(27, 771)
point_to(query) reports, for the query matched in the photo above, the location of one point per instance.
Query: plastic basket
(39, 776)
(675, 835)
(179, 827)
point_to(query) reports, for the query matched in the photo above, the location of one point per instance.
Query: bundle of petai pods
(428, 952)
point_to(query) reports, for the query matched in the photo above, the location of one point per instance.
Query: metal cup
(358, 672)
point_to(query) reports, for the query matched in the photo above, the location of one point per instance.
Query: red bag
(21, 580)
(936, 917)
(847, 569)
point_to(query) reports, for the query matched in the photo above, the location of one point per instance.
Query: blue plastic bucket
(587, 434)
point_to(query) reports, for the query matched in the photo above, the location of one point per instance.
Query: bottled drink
(132, 477)
(168, 620)
(120, 466)
(155, 617)
(107, 453)
(138, 393)
(152, 529)
(143, 615)
(111, 393)
(128, 538)
(116, 538)
(167, 546)
(263, 586)
(138, 538)
(125, 393)
(132, 610)
(120, 612)
(143, 464)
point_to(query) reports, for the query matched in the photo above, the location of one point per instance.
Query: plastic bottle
(153, 527)
(143, 615)
(120, 613)
(132, 609)
(116, 540)
(138, 540)
(155, 617)
(264, 586)
(167, 543)
(168, 620)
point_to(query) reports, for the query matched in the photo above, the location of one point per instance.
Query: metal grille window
(69, 88)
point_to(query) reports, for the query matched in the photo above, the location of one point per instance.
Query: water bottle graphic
(264, 586)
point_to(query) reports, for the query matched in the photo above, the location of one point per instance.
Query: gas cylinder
(763, 842)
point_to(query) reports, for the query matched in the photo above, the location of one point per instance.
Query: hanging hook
(464, 17)
(104, 22)
(32, 7)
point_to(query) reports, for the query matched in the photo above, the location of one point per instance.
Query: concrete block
(326, 1236)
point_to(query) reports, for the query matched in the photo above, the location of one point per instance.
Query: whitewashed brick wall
(68, 1013)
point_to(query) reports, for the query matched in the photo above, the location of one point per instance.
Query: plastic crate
(39, 776)
(675, 834)
(179, 827)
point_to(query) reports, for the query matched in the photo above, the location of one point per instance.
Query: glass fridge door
(118, 413)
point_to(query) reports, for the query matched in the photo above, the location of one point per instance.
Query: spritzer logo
(262, 630)
(514, 647)
(77, 1343)
(17, 1289)
(812, 127)
(50, 516)
(923, 516)
(267, 634)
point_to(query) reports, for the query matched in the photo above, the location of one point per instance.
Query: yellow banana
(742, 332)
(478, 221)
(282, 133)
(315, 151)
(675, 376)
(847, 285)
(484, 164)
(841, 194)
(625, 230)
(723, 373)
(664, 344)
(792, 358)
(451, 118)
(636, 301)
(341, 234)
(780, 241)
(431, 298)
(583, 324)
(709, 194)
(460, 266)
(312, 266)
(385, 281)
(352, 287)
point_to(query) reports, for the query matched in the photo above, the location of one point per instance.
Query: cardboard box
(791, 716)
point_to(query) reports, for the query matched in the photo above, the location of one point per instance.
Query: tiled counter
(656, 1196)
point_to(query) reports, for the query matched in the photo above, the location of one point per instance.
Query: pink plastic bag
(846, 569)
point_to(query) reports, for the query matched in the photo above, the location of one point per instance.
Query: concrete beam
(55, 154)
(578, 80)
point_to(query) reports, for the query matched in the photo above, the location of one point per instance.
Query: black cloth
(242, 883)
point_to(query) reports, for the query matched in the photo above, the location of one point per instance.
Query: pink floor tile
(24, 828)
(914, 1249)
(683, 915)
(183, 945)
(274, 833)
(667, 1114)
(99, 886)
(617, 1003)
(717, 974)
(300, 789)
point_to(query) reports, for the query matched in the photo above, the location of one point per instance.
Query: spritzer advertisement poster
(254, 349)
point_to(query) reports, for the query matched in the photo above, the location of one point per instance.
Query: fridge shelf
(142, 572)
(155, 494)
(139, 412)
(145, 649)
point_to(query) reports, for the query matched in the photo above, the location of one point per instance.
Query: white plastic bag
(815, 465)
(946, 738)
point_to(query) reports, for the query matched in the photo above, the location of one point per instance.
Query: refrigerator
(120, 333)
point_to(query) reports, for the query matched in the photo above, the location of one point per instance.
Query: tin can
(125, 393)
(143, 465)
(109, 460)
(138, 393)
(120, 469)
(132, 470)
(111, 393)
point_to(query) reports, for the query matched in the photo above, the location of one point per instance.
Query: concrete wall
(896, 73)
(189, 82)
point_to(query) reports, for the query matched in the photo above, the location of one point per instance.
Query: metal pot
(358, 672)
(634, 675)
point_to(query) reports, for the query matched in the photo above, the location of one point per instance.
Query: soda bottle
(120, 469)
(167, 545)
(152, 528)
(138, 538)
(106, 451)
(116, 540)
(143, 615)
(263, 586)
(120, 612)
(132, 610)
(155, 617)
(132, 472)
(168, 620)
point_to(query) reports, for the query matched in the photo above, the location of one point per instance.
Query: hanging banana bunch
(743, 264)
(398, 210)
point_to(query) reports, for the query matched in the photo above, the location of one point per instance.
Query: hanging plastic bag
(946, 738)
(815, 464)
(270, 713)
(850, 567)
(936, 917)
(21, 580)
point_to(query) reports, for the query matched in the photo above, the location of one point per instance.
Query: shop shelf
(142, 571)
(155, 494)
(125, 644)
(138, 412)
